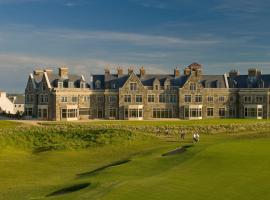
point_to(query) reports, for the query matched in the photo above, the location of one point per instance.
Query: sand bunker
(120, 162)
(70, 189)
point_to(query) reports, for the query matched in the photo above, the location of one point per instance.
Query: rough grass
(4, 124)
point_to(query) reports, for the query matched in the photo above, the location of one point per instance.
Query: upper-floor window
(221, 99)
(64, 99)
(192, 86)
(210, 99)
(247, 99)
(198, 98)
(60, 84)
(83, 85)
(162, 98)
(100, 99)
(127, 98)
(70, 85)
(74, 99)
(259, 99)
(187, 98)
(112, 99)
(138, 98)
(151, 98)
(86, 98)
(43, 98)
(43, 87)
(156, 87)
(133, 86)
(172, 98)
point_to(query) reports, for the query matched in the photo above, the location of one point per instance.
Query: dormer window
(43, 87)
(156, 87)
(98, 84)
(60, 84)
(82, 85)
(192, 86)
(70, 85)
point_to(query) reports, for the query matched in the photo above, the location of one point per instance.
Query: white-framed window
(192, 86)
(210, 112)
(64, 99)
(162, 113)
(210, 99)
(74, 99)
(133, 86)
(100, 99)
(151, 98)
(69, 113)
(162, 98)
(187, 98)
(222, 112)
(112, 99)
(247, 99)
(127, 98)
(221, 98)
(198, 98)
(138, 98)
(85, 111)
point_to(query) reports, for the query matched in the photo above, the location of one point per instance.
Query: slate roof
(244, 81)
(111, 80)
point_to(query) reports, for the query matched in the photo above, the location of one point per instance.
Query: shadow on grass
(120, 162)
(45, 148)
(177, 151)
(70, 189)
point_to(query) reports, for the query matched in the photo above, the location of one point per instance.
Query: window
(187, 98)
(232, 112)
(41, 98)
(84, 111)
(112, 112)
(221, 112)
(70, 84)
(112, 99)
(232, 98)
(172, 98)
(74, 99)
(60, 84)
(100, 99)
(135, 113)
(43, 87)
(259, 99)
(198, 98)
(83, 85)
(127, 98)
(86, 98)
(210, 112)
(69, 113)
(162, 113)
(192, 86)
(210, 99)
(221, 99)
(151, 98)
(193, 112)
(98, 84)
(253, 112)
(247, 99)
(46, 98)
(29, 111)
(162, 98)
(138, 98)
(133, 86)
(156, 87)
(64, 99)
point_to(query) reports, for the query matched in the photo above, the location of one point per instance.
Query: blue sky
(89, 35)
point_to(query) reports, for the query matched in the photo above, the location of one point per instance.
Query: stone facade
(193, 95)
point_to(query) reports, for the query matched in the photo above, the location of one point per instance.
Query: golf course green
(76, 161)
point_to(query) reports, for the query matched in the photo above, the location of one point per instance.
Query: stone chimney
(48, 71)
(233, 73)
(253, 72)
(187, 71)
(198, 72)
(176, 72)
(142, 71)
(63, 72)
(130, 71)
(119, 71)
(38, 72)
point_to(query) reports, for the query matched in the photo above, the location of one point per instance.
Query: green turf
(8, 124)
(218, 167)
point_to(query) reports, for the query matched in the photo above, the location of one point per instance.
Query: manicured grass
(8, 124)
(218, 167)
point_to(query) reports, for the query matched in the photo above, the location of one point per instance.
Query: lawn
(220, 166)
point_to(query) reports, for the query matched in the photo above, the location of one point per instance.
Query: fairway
(220, 166)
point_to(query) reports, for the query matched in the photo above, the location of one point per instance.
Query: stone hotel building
(135, 96)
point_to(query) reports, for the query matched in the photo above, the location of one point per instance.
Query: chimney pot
(142, 71)
(63, 72)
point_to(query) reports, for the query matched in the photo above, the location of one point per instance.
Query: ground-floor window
(69, 113)
(113, 112)
(253, 112)
(162, 113)
(43, 113)
(29, 111)
(135, 113)
(193, 112)
(221, 112)
(210, 112)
